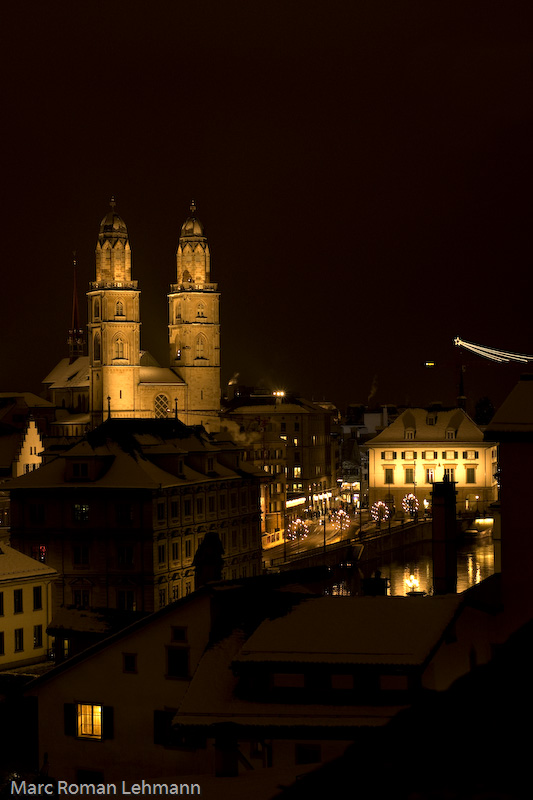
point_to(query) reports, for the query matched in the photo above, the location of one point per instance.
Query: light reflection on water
(475, 562)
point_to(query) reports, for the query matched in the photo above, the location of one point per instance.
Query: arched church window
(200, 310)
(177, 312)
(96, 308)
(200, 347)
(120, 348)
(97, 348)
(119, 309)
(161, 406)
(187, 276)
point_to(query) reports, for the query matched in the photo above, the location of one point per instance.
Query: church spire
(75, 339)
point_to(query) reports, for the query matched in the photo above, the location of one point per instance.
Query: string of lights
(492, 353)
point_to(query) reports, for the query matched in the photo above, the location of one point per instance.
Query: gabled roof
(430, 425)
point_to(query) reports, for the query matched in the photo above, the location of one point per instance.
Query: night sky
(363, 171)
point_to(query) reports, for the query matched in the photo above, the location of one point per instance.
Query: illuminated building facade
(25, 608)
(289, 439)
(117, 378)
(426, 445)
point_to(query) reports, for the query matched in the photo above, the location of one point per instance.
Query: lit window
(161, 406)
(297, 472)
(430, 475)
(81, 512)
(449, 474)
(470, 475)
(89, 721)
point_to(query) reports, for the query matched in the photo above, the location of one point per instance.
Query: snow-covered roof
(430, 426)
(14, 564)
(67, 374)
(159, 375)
(353, 630)
(211, 698)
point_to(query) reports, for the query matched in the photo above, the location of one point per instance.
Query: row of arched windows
(200, 312)
(119, 308)
(201, 348)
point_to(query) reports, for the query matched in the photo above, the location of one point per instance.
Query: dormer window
(431, 419)
(409, 433)
(450, 434)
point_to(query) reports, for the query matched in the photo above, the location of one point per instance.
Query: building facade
(25, 608)
(426, 445)
(121, 515)
(288, 439)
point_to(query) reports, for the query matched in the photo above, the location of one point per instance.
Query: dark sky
(363, 170)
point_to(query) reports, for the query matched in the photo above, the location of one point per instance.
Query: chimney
(444, 538)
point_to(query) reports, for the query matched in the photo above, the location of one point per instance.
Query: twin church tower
(125, 381)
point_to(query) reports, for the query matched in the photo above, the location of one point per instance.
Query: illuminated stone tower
(114, 325)
(194, 327)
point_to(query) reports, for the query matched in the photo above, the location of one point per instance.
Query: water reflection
(475, 562)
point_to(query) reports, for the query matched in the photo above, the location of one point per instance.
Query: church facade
(121, 380)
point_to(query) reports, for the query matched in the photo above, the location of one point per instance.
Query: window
(37, 636)
(187, 508)
(161, 406)
(174, 509)
(37, 598)
(126, 600)
(178, 633)
(200, 347)
(188, 548)
(119, 309)
(389, 455)
(1, 604)
(449, 474)
(450, 434)
(389, 475)
(161, 511)
(470, 474)
(81, 512)
(129, 662)
(2, 647)
(89, 721)
(19, 640)
(125, 555)
(297, 472)
(175, 551)
(80, 469)
(161, 553)
(119, 348)
(409, 475)
(81, 598)
(36, 514)
(177, 662)
(409, 433)
(199, 505)
(96, 347)
(124, 513)
(162, 597)
(471, 455)
(430, 475)
(80, 555)
(17, 601)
